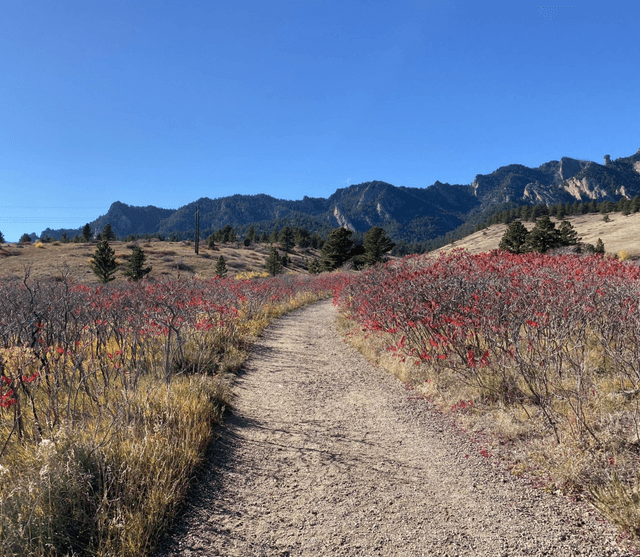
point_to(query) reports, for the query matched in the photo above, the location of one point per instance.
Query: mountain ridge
(409, 214)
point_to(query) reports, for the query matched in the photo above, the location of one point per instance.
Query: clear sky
(160, 102)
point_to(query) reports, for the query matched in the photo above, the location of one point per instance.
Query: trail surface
(326, 455)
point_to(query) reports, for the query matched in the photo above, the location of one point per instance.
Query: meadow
(536, 356)
(109, 396)
(167, 259)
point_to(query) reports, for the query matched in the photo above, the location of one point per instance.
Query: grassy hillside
(620, 233)
(165, 258)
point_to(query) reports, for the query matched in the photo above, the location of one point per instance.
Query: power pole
(197, 242)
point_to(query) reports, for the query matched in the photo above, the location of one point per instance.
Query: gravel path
(326, 455)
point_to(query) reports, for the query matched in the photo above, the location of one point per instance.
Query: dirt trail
(325, 455)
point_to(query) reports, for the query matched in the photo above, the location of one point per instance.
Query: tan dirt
(326, 455)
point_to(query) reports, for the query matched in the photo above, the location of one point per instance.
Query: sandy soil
(326, 455)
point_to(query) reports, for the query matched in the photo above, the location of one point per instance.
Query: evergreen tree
(86, 233)
(211, 241)
(273, 238)
(376, 245)
(64, 238)
(287, 240)
(264, 238)
(302, 238)
(1, 238)
(337, 249)
(568, 234)
(599, 248)
(25, 239)
(107, 233)
(226, 234)
(221, 267)
(103, 262)
(514, 238)
(251, 234)
(246, 242)
(314, 267)
(274, 262)
(286, 260)
(543, 236)
(135, 268)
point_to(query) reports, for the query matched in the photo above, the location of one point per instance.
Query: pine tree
(135, 269)
(274, 263)
(211, 241)
(251, 234)
(543, 236)
(514, 238)
(25, 238)
(314, 267)
(287, 239)
(376, 245)
(568, 234)
(103, 262)
(221, 267)
(1, 238)
(599, 248)
(86, 232)
(337, 249)
(107, 233)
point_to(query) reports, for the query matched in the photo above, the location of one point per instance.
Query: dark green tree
(599, 247)
(1, 238)
(376, 246)
(135, 269)
(211, 241)
(103, 262)
(514, 238)
(226, 234)
(251, 234)
(107, 233)
(314, 267)
(86, 233)
(543, 236)
(336, 251)
(221, 267)
(273, 238)
(287, 239)
(302, 238)
(25, 238)
(246, 242)
(286, 260)
(264, 238)
(568, 234)
(274, 262)
(64, 238)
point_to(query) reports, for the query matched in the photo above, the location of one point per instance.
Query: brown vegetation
(165, 258)
(619, 233)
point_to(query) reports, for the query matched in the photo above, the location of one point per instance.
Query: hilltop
(619, 233)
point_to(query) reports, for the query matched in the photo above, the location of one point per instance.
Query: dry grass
(165, 258)
(620, 233)
(605, 471)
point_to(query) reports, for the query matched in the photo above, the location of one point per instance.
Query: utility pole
(197, 242)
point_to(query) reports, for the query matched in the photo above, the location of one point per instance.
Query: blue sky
(162, 102)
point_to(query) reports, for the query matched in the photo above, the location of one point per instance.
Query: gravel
(325, 454)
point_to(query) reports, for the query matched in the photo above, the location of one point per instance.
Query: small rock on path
(326, 455)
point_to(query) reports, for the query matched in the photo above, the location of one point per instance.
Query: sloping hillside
(620, 233)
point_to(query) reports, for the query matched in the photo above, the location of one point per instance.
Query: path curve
(326, 455)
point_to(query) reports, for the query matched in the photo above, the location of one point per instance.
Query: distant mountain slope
(408, 214)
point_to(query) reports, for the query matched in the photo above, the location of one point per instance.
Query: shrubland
(109, 396)
(538, 356)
